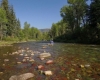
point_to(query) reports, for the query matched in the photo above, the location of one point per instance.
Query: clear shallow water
(68, 61)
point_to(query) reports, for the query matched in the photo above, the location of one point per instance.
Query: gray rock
(44, 55)
(24, 76)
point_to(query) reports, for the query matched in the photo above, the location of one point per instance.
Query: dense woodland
(80, 24)
(10, 26)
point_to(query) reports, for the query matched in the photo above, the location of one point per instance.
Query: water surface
(71, 61)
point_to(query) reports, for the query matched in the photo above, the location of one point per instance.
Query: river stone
(49, 62)
(48, 72)
(24, 76)
(44, 55)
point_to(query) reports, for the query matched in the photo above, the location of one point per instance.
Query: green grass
(3, 43)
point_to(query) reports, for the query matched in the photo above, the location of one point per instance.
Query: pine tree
(3, 20)
(17, 28)
(12, 22)
(94, 13)
(94, 20)
(5, 6)
(11, 17)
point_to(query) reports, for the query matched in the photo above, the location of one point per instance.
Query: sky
(38, 13)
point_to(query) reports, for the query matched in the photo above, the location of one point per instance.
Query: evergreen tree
(3, 21)
(94, 13)
(94, 21)
(5, 6)
(11, 17)
(17, 28)
(12, 22)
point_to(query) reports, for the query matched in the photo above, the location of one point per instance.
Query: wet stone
(44, 55)
(24, 76)
(87, 65)
(48, 72)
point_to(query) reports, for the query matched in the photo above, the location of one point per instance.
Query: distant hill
(44, 30)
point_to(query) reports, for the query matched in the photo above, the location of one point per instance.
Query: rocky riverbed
(42, 61)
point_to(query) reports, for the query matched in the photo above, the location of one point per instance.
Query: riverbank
(6, 43)
(9, 43)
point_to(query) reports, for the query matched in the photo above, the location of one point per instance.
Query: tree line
(80, 22)
(10, 26)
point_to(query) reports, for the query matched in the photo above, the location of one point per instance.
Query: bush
(9, 38)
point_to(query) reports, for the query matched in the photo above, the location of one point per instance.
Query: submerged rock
(44, 55)
(87, 65)
(24, 76)
(42, 58)
(6, 60)
(82, 66)
(19, 62)
(48, 73)
(76, 79)
(31, 60)
(1, 72)
(44, 47)
(49, 62)
(40, 67)
(21, 54)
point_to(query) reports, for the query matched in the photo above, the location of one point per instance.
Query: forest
(80, 23)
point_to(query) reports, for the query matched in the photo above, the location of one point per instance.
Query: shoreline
(9, 43)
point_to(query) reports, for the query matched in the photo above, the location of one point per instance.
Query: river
(71, 61)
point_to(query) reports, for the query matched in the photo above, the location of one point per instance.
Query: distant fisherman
(51, 42)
